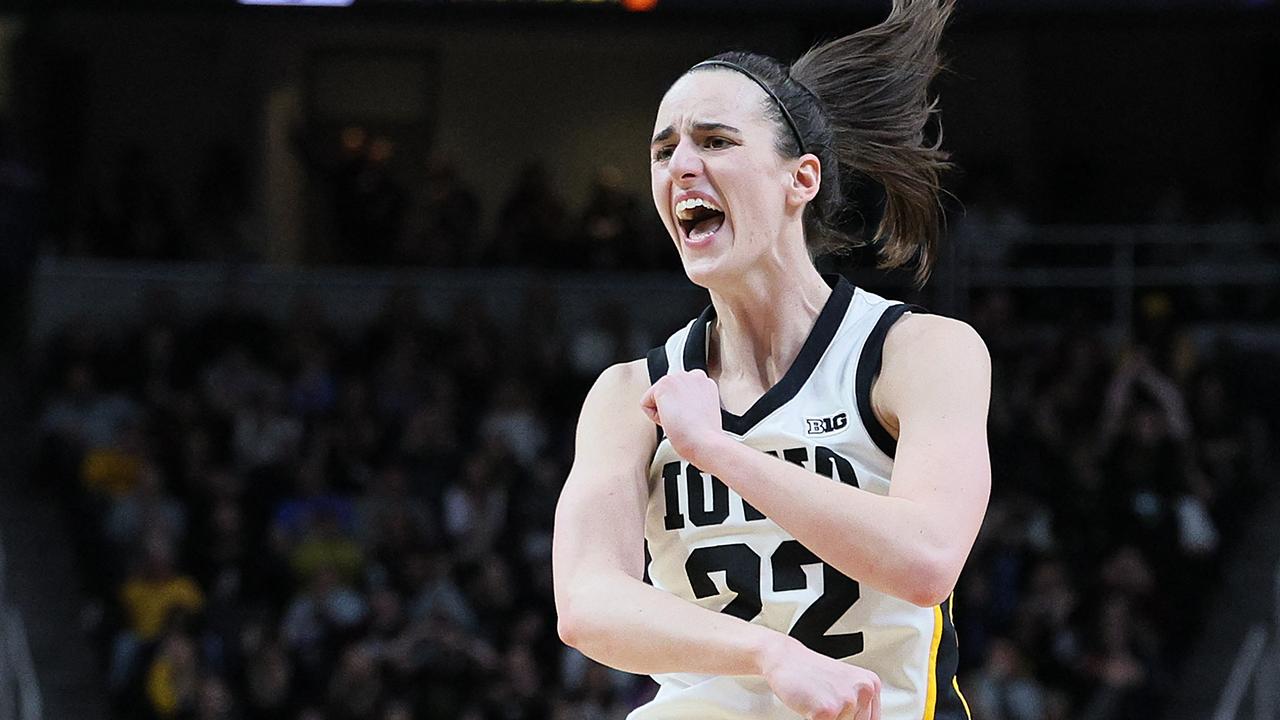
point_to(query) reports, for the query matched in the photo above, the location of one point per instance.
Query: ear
(806, 180)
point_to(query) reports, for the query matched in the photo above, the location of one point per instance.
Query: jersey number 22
(742, 568)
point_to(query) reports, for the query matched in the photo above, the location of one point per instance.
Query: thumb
(649, 404)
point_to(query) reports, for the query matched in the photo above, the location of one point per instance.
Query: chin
(709, 272)
(711, 264)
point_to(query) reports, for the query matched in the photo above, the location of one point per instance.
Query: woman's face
(723, 191)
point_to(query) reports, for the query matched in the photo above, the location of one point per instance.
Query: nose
(685, 163)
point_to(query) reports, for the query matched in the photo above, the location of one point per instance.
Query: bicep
(600, 516)
(937, 388)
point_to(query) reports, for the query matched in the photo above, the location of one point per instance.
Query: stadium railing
(1125, 259)
(1113, 263)
(1256, 668)
(20, 697)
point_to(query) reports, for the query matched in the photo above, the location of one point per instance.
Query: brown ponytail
(861, 104)
(874, 86)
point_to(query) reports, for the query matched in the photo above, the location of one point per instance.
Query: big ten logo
(826, 425)
(706, 500)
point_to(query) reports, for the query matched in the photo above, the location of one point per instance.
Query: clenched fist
(687, 406)
(819, 688)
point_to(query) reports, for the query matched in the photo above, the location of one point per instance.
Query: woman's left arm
(934, 389)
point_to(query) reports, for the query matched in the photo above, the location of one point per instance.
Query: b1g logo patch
(826, 425)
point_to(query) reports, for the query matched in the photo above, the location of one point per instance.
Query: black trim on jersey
(648, 558)
(947, 702)
(657, 361)
(869, 368)
(819, 339)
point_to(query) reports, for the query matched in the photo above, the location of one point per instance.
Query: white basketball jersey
(711, 548)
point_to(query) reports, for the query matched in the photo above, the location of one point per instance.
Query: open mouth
(699, 218)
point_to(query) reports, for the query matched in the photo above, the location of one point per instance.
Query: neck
(763, 321)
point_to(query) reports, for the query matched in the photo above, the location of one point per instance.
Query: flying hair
(874, 84)
(861, 104)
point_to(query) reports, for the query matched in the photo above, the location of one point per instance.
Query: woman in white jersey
(820, 469)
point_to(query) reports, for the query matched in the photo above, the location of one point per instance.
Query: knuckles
(835, 707)
(827, 712)
(675, 380)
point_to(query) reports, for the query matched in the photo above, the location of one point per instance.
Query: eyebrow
(701, 127)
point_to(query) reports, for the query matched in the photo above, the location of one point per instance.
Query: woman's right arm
(608, 612)
(605, 608)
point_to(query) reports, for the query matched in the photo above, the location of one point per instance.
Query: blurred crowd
(366, 204)
(278, 522)
(1120, 476)
(281, 521)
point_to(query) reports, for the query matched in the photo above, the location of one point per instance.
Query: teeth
(684, 207)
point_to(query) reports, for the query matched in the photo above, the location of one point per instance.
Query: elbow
(572, 623)
(930, 583)
(927, 596)
(570, 629)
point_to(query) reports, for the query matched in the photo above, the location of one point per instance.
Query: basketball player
(819, 469)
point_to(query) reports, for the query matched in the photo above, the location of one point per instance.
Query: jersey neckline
(815, 345)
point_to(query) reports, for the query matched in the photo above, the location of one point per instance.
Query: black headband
(786, 114)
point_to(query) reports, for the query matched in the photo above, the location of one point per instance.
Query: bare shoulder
(612, 419)
(934, 362)
(932, 337)
(619, 384)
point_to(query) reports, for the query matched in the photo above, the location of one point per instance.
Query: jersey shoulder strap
(869, 362)
(658, 365)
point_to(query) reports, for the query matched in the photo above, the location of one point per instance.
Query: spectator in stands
(356, 687)
(443, 224)
(268, 688)
(1122, 673)
(154, 597)
(156, 591)
(368, 201)
(532, 220)
(1046, 623)
(173, 679)
(313, 391)
(513, 420)
(319, 618)
(220, 542)
(607, 235)
(437, 596)
(326, 545)
(1004, 689)
(610, 338)
(1230, 444)
(215, 701)
(145, 509)
(266, 434)
(223, 226)
(475, 510)
(83, 417)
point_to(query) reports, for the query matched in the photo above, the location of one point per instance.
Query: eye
(663, 153)
(717, 143)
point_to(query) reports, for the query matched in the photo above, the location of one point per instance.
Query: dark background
(300, 305)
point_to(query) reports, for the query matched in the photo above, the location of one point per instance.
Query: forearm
(605, 609)
(891, 543)
(627, 624)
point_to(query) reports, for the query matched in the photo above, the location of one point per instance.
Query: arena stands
(278, 520)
